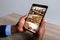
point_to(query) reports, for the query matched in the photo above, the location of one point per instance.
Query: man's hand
(40, 34)
(21, 23)
(19, 26)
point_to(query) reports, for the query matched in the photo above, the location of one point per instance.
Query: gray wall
(22, 7)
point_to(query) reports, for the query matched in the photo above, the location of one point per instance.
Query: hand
(40, 34)
(19, 26)
(21, 23)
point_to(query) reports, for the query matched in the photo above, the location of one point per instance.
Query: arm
(7, 30)
(2, 30)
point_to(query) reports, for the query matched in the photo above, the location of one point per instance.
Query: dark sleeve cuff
(2, 30)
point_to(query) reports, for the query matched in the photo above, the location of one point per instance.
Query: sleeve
(5, 30)
(8, 30)
(2, 30)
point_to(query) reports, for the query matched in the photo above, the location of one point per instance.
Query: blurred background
(23, 6)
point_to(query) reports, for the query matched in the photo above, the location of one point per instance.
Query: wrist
(14, 29)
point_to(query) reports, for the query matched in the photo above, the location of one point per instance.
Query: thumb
(25, 16)
(42, 29)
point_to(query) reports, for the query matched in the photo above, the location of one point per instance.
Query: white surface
(23, 6)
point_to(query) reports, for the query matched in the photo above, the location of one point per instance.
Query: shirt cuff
(8, 30)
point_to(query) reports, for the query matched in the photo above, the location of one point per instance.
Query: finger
(43, 23)
(22, 19)
(42, 28)
(21, 23)
(25, 16)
